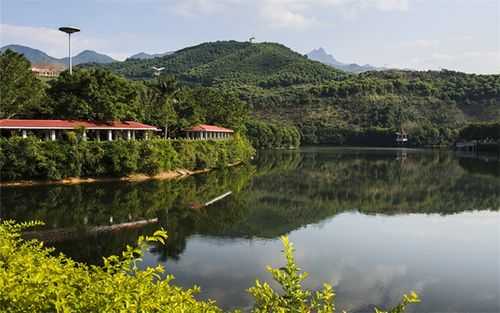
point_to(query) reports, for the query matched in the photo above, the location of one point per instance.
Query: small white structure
(208, 132)
(401, 138)
(53, 129)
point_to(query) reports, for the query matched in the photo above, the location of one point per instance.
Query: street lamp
(69, 31)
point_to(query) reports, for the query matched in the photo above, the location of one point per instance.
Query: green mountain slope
(233, 62)
(328, 105)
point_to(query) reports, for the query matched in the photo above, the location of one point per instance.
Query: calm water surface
(375, 223)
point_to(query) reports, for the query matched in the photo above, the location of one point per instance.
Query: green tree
(95, 95)
(158, 99)
(222, 108)
(20, 91)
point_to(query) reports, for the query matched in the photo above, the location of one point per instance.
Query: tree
(222, 108)
(20, 91)
(157, 100)
(94, 95)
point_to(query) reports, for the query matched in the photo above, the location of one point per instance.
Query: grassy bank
(30, 158)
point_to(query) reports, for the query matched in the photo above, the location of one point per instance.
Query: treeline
(481, 131)
(269, 134)
(29, 158)
(373, 136)
(446, 85)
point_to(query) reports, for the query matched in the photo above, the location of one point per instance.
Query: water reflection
(375, 223)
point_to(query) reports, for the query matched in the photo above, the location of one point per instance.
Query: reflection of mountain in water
(283, 191)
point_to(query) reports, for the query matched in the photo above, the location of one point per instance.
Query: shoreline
(166, 175)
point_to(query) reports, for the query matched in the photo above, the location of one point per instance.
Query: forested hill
(232, 62)
(328, 105)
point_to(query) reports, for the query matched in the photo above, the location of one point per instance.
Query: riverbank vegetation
(272, 134)
(33, 279)
(30, 158)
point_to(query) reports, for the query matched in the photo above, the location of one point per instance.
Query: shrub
(33, 279)
(29, 158)
(265, 134)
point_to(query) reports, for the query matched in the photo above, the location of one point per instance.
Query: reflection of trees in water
(78, 207)
(376, 182)
(283, 191)
(118, 202)
(484, 166)
(424, 182)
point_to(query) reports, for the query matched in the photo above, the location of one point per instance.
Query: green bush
(34, 279)
(30, 158)
(265, 134)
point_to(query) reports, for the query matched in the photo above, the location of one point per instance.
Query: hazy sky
(419, 34)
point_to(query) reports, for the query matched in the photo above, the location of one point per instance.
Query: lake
(375, 223)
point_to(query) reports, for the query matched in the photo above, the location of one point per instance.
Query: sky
(461, 35)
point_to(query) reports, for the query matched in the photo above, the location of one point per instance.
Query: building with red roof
(203, 131)
(52, 129)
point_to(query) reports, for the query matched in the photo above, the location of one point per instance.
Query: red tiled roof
(71, 124)
(208, 128)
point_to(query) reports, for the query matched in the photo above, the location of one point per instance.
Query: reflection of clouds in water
(224, 268)
(371, 260)
(357, 289)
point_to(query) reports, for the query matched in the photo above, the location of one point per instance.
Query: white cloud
(202, 7)
(390, 5)
(421, 44)
(467, 61)
(285, 14)
(298, 14)
(294, 14)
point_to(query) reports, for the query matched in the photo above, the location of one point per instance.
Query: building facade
(208, 132)
(47, 70)
(89, 130)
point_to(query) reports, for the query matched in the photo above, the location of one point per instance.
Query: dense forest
(327, 105)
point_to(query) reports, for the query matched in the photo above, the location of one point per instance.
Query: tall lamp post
(69, 31)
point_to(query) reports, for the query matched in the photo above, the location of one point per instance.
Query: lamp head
(69, 30)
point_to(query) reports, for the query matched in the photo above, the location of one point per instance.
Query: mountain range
(36, 56)
(322, 56)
